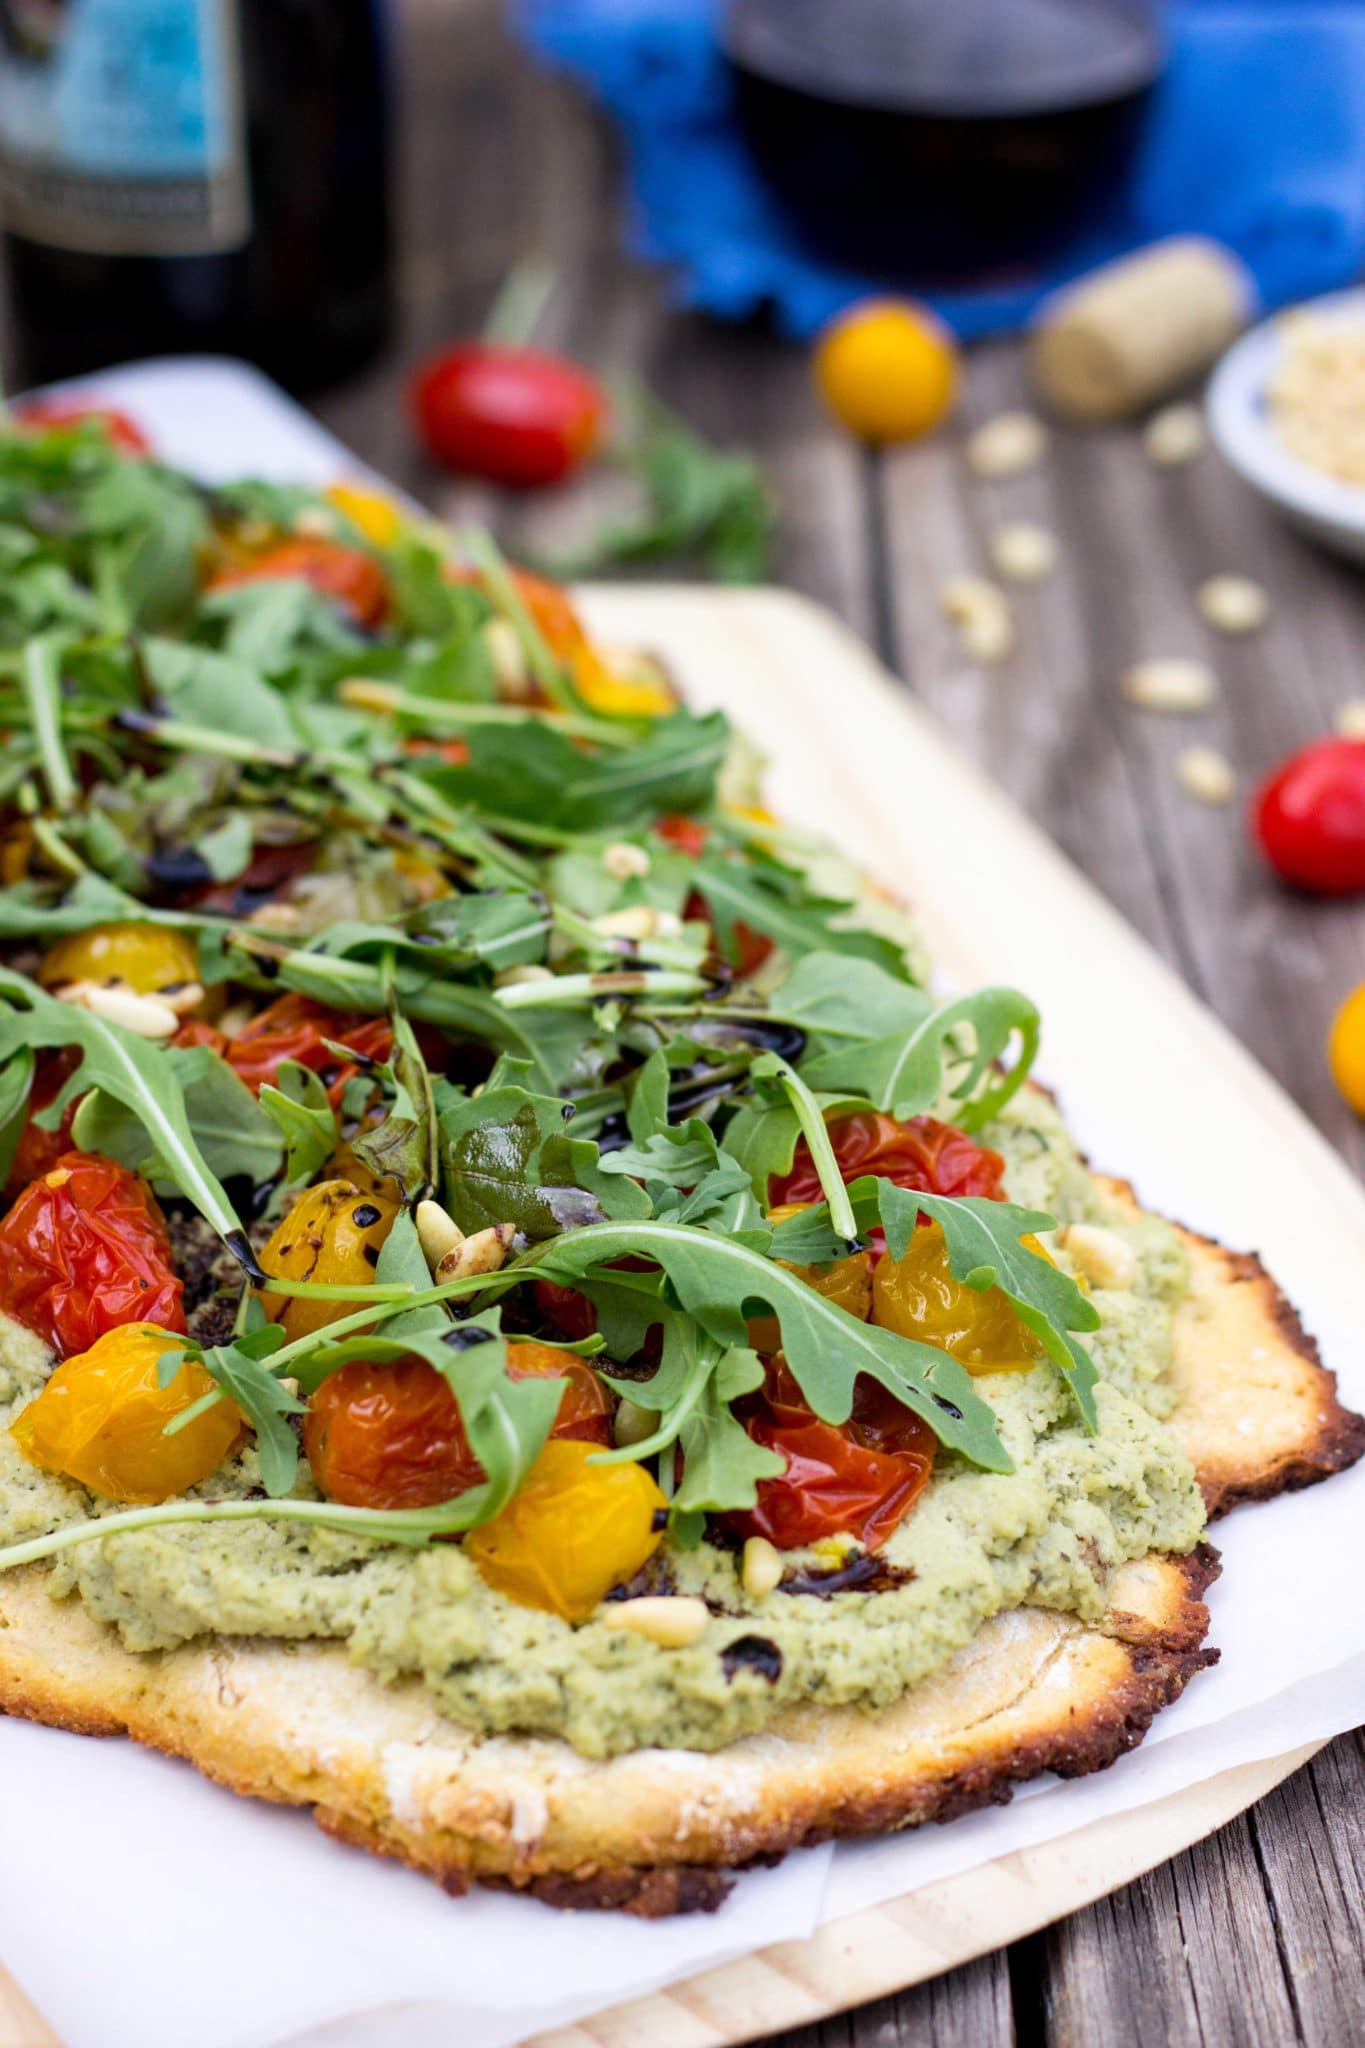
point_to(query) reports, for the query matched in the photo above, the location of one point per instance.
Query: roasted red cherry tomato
(85, 1249)
(918, 1152)
(860, 1478)
(390, 1436)
(1309, 818)
(350, 577)
(296, 1028)
(512, 415)
(689, 836)
(125, 433)
(38, 1150)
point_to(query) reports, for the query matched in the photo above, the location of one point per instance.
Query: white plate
(1325, 507)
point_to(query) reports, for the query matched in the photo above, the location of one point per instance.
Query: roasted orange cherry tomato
(513, 415)
(101, 1417)
(917, 1296)
(573, 1532)
(917, 1152)
(296, 1028)
(860, 1478)
(85, 1249)
(124, 432)
(333, 1234)
(689, 836)
(391, 1437)
(351, 578)
(146, 957)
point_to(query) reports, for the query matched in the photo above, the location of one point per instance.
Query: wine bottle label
(121, 126)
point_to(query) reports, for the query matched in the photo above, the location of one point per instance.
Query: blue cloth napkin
(1256, 136)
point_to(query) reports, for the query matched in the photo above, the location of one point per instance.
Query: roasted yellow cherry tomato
(100, 1419)
(332, 1234)
(573, 1532)
(620, 689)
(847, 1283)
(1346, 1049)
(917, 1296)
(887, 369)
(374, 513)
(146, 957)
(345, 1164)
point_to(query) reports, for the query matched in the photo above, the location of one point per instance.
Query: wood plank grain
(968, 2008)
(1311, 1853)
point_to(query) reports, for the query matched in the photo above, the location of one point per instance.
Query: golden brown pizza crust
(657, 1831)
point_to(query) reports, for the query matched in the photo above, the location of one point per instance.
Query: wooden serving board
(854, 759)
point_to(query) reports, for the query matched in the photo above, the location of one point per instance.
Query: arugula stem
(42, 689)
(444, 713)
(548, 672)
(568, 990)
(811, 1118)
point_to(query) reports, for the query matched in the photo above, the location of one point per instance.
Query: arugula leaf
(299, 1108)
(780, 904)
(984, 1250)
(136, 1074)
(691, 1393)
(242, 1370)
(718, 1280)
(533, 773)
(219, 692)
(902, 1072)
(406, 1146)
(16, 1087)
(226, 850)
(234, 1134)
(493, 1156)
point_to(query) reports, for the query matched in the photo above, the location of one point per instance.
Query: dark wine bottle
(191, 175)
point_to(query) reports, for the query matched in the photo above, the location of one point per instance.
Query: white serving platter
(1157, 1089)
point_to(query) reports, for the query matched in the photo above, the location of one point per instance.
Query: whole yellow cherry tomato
(847, 1283)
(101, 1417)
(333, 1233)
(573, 1532)
(887, 369)
(147, 957)
(1346, 1049)
(917, 1296)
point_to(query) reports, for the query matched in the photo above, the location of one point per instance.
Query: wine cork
(1132, 332)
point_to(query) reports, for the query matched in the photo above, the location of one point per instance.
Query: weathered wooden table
(1257, 1936)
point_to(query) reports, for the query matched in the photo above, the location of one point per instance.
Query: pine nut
(1204, 773)
(438, 1233)
(1233, 604)
(1023, 553)
(514, 977)
(145, 1016)
(1008, 444)
(483, 1252)
(1105, 1258)
(638, 921)
(1351, 719)
(1175, 435)
(982, 611)
(508, 658)
(625, 862)
(365, 693)
(672, 1620)
(276, 917)
(1175, 683)
(761, 1567)
(183, 997)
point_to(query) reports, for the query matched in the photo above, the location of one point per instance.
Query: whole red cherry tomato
(125, 433)
(294, 1027)
(862, 1477)
(512, 415)
(918, 1152)
(689, 836)
(350, 577)
(85, 1249)
(390, 1436)
(1309, 817)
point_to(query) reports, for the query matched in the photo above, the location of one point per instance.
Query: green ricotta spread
(1050, 1535)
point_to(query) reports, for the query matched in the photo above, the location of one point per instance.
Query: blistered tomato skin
(391, 1437)
(353, 580)
(1309, 818)
(918, 1297)
(916, 1152)
(573, 1532)
(147, 957)
(333, 1234)
(859, 1478)
(296, 1028)
(84, 1250)
(101, 1420)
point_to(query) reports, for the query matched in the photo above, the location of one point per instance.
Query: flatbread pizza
(529, 1327)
